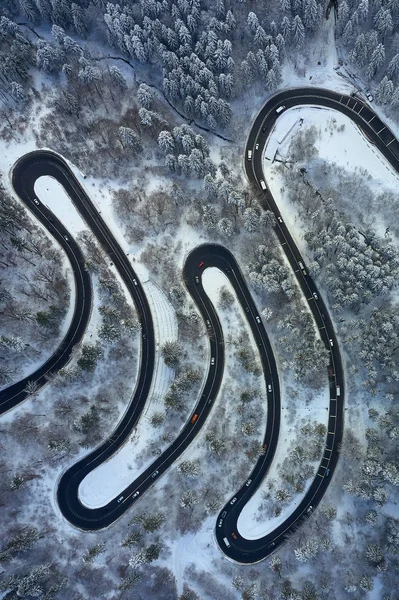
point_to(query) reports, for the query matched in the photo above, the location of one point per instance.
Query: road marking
(340, 99)
(378, 132)
(354, 106)
(328, 450)
(297, 271)
(333, 416)
(391, 142)
(322, 327)
(322, 476)
(360, 110)
(283, 243)
(331, 432)
(373, 117)
(348, 101)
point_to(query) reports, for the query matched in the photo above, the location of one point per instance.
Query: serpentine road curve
(236, 547)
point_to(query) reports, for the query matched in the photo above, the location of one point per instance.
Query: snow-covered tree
(226, 227)
(189, 468)
(145, 96)
(79, 20)
(307, 551)
(383, 22)
(393, 68)
(376, 61)
(189, 499)
(130, 140)
(310, 14)
(117, 78)
(384, 91)
(48, 57)
(297, 32)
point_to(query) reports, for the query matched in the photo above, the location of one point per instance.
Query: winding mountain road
(236, 547)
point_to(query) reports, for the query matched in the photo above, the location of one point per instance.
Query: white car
(135, 281)
(234, 500)
(256, 146)
(370, 97)
(120, 499)
(279, 219)
(315, 296)
(331, 343)
(36, 201)
(248, 482)
(136, 494)
(66, 238)
(257, 319)
(269, 388)
(212, 360)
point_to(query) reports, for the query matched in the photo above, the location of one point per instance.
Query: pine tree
(188, 499)
(363, 9)
(166, 142)
(285, 6)
(298, 32)
(171, 354)
(343, 14)
(226, 227)
(383, 22)
(46, 9)
(17, 92)
(252, 21)
(62, 13)
(376, 61)
(30, 10)
(117, 78)
(220, 9)
(209, 217)
(311, 14)
(145, 96)
(360, 52)
(230, 21)
(251, 219)
(347, 34)
(189, 468)
(210, 188)
(130, 139)
(79, 20)
(260, 37)
(393, 68)
(48, 58)
(286, 29)
(385, 91)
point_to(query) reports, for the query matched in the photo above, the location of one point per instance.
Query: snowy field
(348, 149)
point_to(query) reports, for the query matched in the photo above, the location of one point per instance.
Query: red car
(201, 264)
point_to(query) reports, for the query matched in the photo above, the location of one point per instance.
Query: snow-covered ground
(250, 524)
(113, 476)
(347, 148)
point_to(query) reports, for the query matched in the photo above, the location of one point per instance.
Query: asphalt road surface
(356, 108)
(236, 547)
(25, 173)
